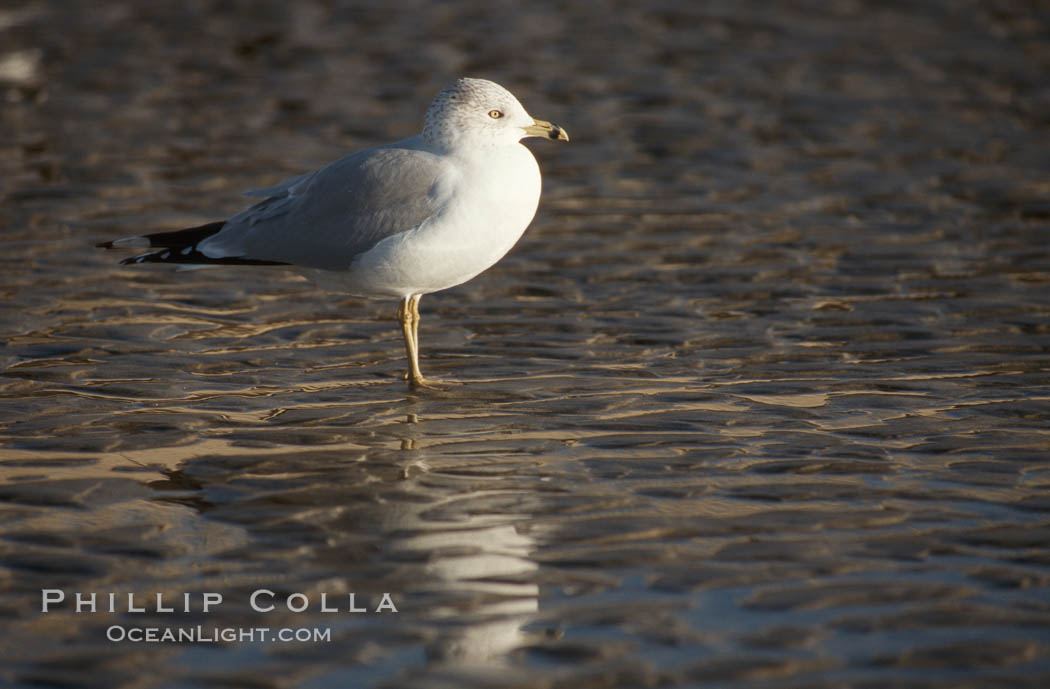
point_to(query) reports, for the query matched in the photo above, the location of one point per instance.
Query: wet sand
(761, 398)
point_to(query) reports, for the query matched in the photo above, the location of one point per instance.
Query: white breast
(482, 215)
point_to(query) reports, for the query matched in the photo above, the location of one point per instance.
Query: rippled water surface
(760, 400)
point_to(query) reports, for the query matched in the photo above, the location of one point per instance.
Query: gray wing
(325, 218)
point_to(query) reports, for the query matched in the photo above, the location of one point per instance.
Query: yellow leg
(413, 303)
(408, 315)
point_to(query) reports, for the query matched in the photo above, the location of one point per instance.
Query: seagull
(402, 220)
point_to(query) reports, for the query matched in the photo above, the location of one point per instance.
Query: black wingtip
(191, 256)
(177, 239)
(180, 246)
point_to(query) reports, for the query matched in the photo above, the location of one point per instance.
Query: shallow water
(760, 400)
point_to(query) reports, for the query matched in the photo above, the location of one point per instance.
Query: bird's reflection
(483, 568)
(472, 558)
(398, 507)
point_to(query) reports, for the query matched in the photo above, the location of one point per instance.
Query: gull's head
(482, 113)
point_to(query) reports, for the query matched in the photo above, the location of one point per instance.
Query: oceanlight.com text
(210, 634)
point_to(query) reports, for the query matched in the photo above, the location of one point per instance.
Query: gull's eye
(495, 114)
